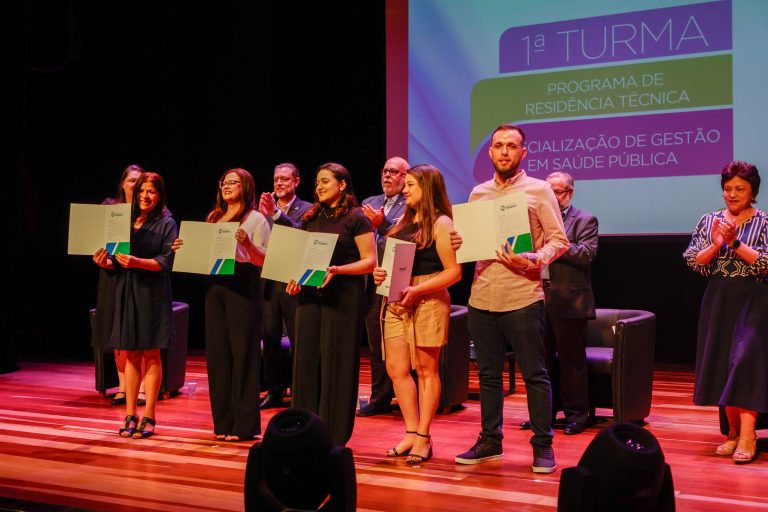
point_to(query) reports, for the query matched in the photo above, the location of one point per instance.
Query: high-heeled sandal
(119, 398)
(129, 426)
(729, 446)
(742, 455)
(415, 458)
(394, 453)
(143, 432)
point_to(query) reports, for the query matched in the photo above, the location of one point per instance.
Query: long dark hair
(120, 194)
(160, 208)
(434, 203)
(347, 202)
(247, 196)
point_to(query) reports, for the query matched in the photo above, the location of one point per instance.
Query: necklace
(741, 218)
(327, 213)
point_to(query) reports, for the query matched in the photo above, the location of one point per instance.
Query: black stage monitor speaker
(297, 467)
(623, 468)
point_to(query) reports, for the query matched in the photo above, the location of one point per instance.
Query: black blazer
(570, 292)
(389, 219)
(292, 218)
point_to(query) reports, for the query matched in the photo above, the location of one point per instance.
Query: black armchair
(173, 358)
(453, 365)
(620, 357)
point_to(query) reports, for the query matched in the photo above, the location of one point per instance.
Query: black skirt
(732, 346)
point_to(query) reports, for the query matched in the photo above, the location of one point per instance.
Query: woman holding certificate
(233, 313)
(143, 319)
(105, 289)
(730, 246)
(329, 317)
(416, 327)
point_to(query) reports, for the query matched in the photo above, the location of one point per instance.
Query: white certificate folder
(398, 261)
(209, 248)
(485, 226)
(96, 226)
(298, 255)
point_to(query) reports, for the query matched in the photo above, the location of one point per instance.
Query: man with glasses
(383, 211)
(569, 305)
(279, 207)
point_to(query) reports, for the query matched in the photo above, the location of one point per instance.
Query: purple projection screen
(643, 102)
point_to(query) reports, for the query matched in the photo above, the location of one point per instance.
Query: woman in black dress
(329, 317)
(143, 316)
(731, 247)
(105, 289)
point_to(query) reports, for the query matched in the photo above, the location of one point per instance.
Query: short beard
(505, 175)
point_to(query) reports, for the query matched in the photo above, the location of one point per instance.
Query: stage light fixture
(623, 468)
(297, 467)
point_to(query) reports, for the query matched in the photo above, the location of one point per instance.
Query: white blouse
(257, 228)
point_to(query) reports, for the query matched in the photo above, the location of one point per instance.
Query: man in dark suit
(569, 304)
(279, 207)
(383, 211)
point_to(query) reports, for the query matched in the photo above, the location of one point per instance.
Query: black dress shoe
(271, 400)
(525, 425)
(573, 428)
(373, 409)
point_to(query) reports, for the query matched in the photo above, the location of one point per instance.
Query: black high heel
(418, 459)
(142, 432)
(129, 427)
(394, 453)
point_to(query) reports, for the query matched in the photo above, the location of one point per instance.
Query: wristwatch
(735, 244)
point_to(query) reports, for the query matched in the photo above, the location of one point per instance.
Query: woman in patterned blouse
(731, 247)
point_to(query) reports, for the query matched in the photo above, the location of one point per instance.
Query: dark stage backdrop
(189, 91)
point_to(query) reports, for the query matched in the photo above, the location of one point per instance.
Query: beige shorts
(424, 325)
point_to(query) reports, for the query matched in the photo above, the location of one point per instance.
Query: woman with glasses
(233, 313)
(329, 317)
(142, 324)
(416, 326)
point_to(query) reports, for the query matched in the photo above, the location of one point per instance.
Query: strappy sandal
(729, 446)
(414, 459)
(394, 453)
(220, 437)
(129, 427)
(744, 456)
(143, 432)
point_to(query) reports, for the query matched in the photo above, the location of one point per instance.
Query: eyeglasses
(391, 172)
(561, 191)
(229, 183)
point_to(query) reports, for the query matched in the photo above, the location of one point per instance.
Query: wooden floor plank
(59, 445)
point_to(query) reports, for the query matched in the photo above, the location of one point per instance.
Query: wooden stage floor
(59, 445)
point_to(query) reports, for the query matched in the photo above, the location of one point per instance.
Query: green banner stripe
(649, 86)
